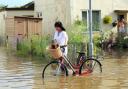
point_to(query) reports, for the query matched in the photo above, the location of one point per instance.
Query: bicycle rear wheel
(54, 69)
(92, 66)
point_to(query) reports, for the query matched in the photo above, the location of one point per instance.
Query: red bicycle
(84, 65)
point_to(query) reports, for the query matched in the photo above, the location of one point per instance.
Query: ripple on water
(16, 73)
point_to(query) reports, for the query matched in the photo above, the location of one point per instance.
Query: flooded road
(17, 73)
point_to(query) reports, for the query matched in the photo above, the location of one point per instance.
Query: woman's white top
(62, 39)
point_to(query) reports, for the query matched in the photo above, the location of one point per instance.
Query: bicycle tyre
(50, 64)
(86, 62)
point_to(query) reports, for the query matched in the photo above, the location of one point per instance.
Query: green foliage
(39, 45)
(117, 40)
(78, 34)
(78, 23)
(122, 42)
(36, 46)
(97, 39)
(125, 42)
(76, 31)
(107, 20)
(106, 35)
(24, 48)
(3, 7)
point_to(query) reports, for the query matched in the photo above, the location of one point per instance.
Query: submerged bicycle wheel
(92, 66)
(54, 69)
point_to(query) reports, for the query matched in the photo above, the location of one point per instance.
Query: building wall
(10, 14)
(106, 7)
(69, 10)
(2, 23)
(52, 11)
(19, 13)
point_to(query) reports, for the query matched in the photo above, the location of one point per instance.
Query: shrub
(122, 42)
(97, 39)
(2, 7)
(35, 46)
(107, 20)
(39, 45)
(125, 42)
(78, 35)
(75, 32)
(24, 48)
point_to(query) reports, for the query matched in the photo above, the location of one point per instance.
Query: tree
(3, 6)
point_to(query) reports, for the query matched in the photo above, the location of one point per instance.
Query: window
(84, 16)
(95, 19)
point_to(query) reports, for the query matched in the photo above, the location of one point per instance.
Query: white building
(69, 10)
(51, 11)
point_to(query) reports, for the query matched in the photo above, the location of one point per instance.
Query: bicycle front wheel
(92, 66)
(54, 69)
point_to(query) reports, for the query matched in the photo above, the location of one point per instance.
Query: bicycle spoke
(91, 66)
(54, 70)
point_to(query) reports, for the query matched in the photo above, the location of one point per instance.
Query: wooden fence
(18, 28)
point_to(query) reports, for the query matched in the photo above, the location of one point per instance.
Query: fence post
(31, 47)
(17, 44)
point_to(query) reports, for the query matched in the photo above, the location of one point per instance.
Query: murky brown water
(16, 73)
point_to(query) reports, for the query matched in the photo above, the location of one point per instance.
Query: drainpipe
(90, 30)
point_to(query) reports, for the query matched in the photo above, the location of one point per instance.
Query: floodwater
(18, 73)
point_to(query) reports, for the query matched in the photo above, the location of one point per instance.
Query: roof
(28, 6)
(121, 11)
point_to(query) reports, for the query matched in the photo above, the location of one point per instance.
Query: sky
(13, 3)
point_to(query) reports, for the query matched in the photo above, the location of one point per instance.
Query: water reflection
(75, 83)
(17, 73)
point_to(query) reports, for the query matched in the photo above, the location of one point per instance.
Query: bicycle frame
(69, 63)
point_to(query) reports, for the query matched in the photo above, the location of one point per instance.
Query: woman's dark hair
(59, 24)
